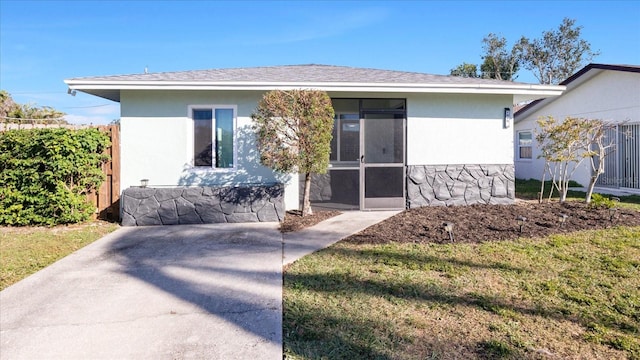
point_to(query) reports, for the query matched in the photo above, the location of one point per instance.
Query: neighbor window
(524, 145)
(213, 132)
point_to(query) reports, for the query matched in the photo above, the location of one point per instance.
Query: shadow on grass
(307, 333)
(317, 332)
(422, 261)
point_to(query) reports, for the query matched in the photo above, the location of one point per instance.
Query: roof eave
(97, 86)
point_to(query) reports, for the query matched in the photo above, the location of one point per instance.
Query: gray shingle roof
(310, 73)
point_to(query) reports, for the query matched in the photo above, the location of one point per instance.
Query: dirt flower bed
(478, 223)
(294, 221)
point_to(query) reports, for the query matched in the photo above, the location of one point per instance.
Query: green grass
(529, 189)
(556, 297)
(24, 250)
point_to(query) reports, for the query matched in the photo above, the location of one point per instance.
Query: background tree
(558, 54)
(465, 70)
(552, 58)
(12, 112)
(7, 105)
(294, 134)
(498, 62)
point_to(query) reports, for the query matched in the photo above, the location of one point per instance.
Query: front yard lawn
(25, 250)
(528, 189)
(572, 295)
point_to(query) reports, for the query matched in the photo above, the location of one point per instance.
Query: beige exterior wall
(612, 96)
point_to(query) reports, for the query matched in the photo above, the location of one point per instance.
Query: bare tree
(566, 144)
(600, 147)
(562, 145)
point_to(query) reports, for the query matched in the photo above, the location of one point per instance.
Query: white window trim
(213, 107)
(517, 148)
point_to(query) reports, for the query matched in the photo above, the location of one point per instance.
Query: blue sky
(44, 42)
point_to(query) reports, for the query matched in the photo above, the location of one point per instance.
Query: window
(213, 136)
(524, 145)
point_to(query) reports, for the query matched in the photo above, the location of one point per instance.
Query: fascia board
(545, 102)
(523, 89)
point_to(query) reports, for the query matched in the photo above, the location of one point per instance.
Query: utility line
(26, 119)
(85, 107)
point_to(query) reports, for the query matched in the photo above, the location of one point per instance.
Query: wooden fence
(107, 198)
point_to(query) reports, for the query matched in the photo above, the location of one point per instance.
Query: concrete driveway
(165, 292)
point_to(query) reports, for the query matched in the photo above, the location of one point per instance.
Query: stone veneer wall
(202, 205)
(446, 185)
(320, 187)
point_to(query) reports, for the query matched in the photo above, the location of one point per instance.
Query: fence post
(107, 198)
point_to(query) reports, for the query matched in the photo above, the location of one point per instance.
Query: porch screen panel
(384, 182)
(202, 137)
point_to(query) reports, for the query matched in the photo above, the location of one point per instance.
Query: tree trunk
(564, 183)
(306, 202)
(592, 184)
(554, 184)
(594, 178)
(541, 193)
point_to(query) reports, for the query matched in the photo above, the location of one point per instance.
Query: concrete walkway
(165, 292)
(301, 243)
(608, 191)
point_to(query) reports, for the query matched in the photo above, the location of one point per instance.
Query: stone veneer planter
(446, 185)
(202, 205)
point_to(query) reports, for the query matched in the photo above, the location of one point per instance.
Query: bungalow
(400, 139)
(598, 91)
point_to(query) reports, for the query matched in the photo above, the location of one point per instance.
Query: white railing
(622, 166)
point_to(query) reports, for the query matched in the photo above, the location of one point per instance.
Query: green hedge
(45, 174)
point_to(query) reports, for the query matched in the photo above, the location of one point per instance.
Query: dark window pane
(333, 156)
(383, 104)
(224, 138)
(346, 105)
(525, 152)
(202, 137)
(349, 137)
(355, 117)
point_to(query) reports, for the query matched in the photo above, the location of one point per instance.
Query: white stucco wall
(157, 142)
(157, 136)
(612, 96)
(458, 129)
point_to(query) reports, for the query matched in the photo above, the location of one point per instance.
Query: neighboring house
(598, 91)
(401, 139)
